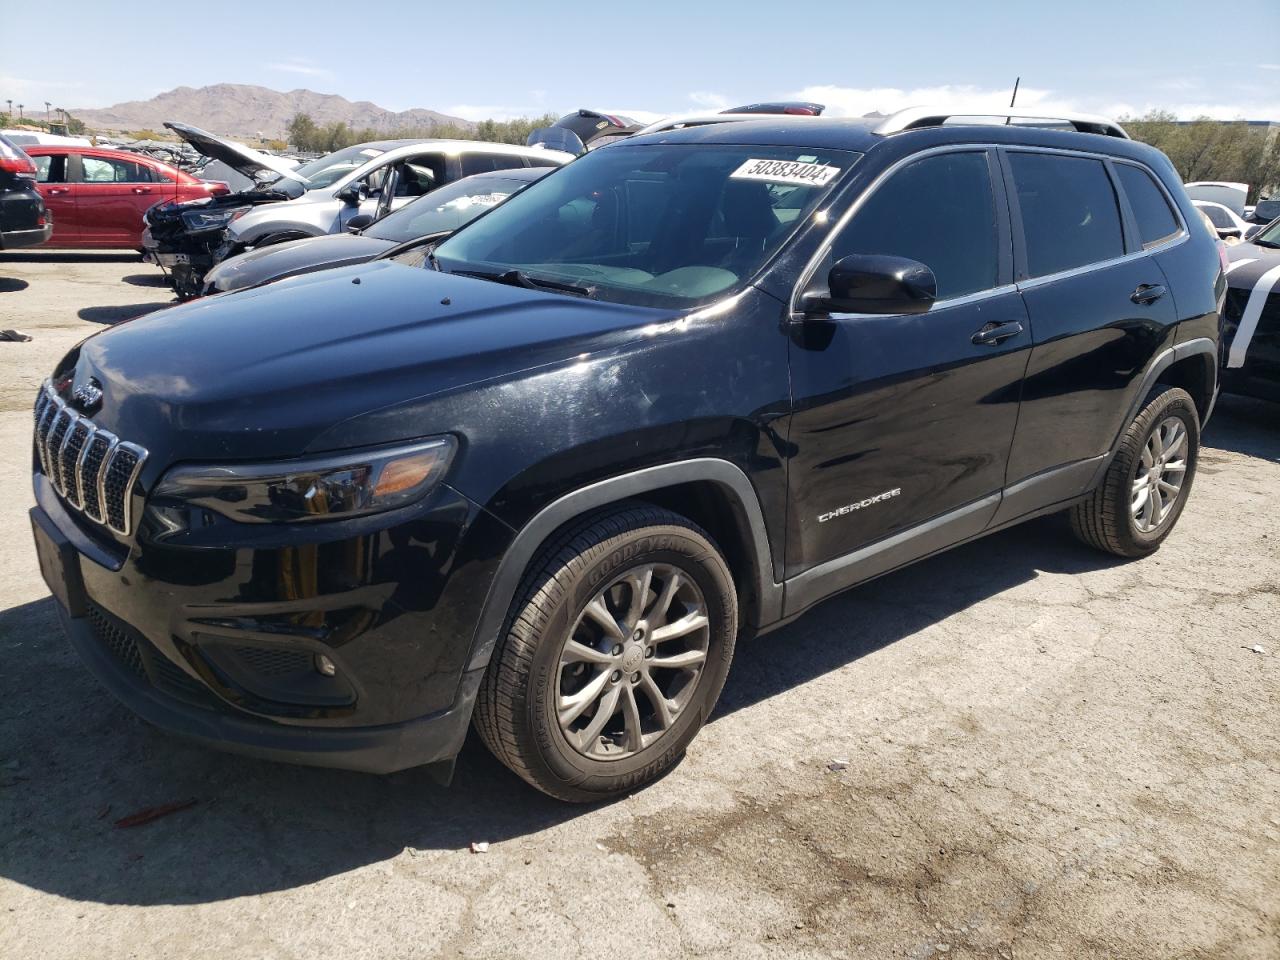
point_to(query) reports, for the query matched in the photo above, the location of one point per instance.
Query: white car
(1225, 221)
(347, 184)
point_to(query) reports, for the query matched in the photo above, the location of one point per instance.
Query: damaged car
(321, 197)
(181, 235)
(425, 221)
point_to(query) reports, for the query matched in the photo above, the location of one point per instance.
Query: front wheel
(616, 650)
(1146, 486)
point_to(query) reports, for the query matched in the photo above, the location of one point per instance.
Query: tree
(1205, 149)
(303, 133)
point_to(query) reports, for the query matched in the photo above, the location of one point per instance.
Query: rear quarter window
(1156, 222)
(1070, 215)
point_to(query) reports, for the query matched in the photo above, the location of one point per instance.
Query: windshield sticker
(786, 171)
(367, 152)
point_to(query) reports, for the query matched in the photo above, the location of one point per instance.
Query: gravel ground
(1018, 749)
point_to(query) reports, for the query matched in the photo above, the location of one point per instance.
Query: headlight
(324, 488)
(196, 220)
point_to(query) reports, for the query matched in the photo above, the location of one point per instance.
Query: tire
(1111, 518)
(529, 708)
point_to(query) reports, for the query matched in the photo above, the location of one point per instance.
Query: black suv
(671, 395)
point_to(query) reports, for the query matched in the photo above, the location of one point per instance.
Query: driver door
(903, 423)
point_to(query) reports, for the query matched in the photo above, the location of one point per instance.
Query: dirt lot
(1018, 749)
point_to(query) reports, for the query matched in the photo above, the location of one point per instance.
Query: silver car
(369, 179)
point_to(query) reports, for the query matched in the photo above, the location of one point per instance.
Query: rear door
(111, 197)
(59, 198)
(1100, 309)
(902, 424)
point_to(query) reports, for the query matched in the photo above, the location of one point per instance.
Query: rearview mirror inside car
(875, 283)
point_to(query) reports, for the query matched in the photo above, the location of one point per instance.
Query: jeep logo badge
(88, 396)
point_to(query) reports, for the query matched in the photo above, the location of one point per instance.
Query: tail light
(19, 166)
(1223, 257)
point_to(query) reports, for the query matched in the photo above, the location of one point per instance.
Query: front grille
(92, 470)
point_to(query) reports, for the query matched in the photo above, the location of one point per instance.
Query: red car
(98, 196)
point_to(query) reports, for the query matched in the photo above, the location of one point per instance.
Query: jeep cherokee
(670, 396)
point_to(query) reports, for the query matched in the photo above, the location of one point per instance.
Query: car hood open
(237, 156)
(268, 372)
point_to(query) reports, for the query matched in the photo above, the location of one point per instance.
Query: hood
(1230, 195)
(297, 256)
(266, 372)
(1250, 263)
(237, 156)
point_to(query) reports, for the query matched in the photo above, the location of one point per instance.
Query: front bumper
(220, 646)
(434, 738)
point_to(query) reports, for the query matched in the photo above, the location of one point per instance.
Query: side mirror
(875, 283)
(358, 222)
(353, 194)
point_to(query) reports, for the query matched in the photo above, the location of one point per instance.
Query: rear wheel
(616, 650)
(1146, 486)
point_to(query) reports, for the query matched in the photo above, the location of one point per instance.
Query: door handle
(58, 191)
(1148, 293)
(994, 333)
(141, 189)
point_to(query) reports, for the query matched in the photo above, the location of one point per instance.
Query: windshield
(332, 167)
(652, 224)
(1270, 235)
(446, 208)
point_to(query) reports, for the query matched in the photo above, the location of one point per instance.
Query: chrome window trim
(806, 275)
(1033, 282)
(977, 297)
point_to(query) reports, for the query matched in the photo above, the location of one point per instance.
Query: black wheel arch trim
(1199, 346)
(533, 535)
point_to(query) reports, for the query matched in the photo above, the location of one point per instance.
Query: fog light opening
(325, 666)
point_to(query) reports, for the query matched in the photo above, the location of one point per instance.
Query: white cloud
(482, 111)
(33, 93)
(299, 66)
(707, 100)
(1269, 66)
(857, 101)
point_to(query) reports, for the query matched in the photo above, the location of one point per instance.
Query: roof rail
(913, 118)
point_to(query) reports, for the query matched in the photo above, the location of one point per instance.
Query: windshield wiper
(1267, 243)
(518, 278)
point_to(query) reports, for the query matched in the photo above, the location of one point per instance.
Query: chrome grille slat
(91, 470)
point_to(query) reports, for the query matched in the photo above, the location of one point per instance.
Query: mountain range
(249, 112)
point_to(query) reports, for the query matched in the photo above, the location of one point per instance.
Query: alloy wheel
(631, 662)
(1161, 471)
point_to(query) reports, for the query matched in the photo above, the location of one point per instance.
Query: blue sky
(512, 59)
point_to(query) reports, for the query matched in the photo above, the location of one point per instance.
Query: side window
(487, 162)
(940, 211)
(1218, 216)
(1070, 216)
(1156, 222)
(420, 175)
(103, 170)
(42, 168)
(538, 162)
